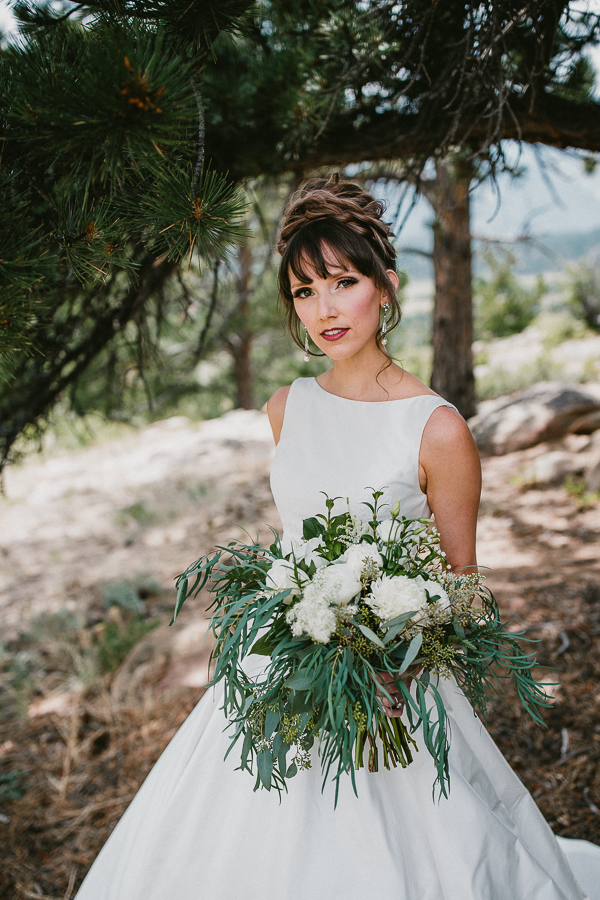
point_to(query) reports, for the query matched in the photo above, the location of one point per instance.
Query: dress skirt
(197, 830)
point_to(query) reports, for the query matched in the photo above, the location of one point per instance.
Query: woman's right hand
(393, 707)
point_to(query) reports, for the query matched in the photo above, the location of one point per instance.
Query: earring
(386, 309)
(306, 347)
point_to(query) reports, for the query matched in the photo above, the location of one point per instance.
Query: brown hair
(343, 217)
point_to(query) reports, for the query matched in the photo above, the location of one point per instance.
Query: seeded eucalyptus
(351, 603)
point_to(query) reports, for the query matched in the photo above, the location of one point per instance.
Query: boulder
(586, 424)
(553, 467)
(544, 412)
(592, 477)
(592, 472)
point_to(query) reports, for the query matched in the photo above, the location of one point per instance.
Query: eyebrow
(294, 280)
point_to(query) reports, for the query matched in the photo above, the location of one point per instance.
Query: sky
(553, 195)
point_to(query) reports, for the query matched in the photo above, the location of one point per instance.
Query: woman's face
(341, 312)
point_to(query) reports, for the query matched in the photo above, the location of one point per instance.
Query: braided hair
(339, 219)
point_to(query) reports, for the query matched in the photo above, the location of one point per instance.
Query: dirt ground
(93, 683)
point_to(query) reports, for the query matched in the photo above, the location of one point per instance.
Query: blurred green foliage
(503, 306)
(118, 638)
(585, 291)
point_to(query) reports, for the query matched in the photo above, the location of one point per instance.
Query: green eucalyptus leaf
(181, 595)
(271, 722)
(458, 629)
(246, 747)
(399, 620)
(412, 652)
(282, 757)
(298, 682)
(292, 770)
(264, 761)
(263, 647)
(371, 635)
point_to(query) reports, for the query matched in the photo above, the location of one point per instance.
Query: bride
(196, 830)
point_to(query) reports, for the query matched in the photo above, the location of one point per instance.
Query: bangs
(320, 244)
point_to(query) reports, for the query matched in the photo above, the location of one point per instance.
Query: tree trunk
(452, 337)
(239, 342)
(240, 348)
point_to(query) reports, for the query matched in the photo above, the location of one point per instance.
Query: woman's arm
(450, 475)
(276, 411)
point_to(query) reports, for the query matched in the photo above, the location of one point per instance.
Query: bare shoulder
(448, 449)
(446, 426)
(276, 410)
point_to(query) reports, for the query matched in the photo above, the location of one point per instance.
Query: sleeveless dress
(197, 831)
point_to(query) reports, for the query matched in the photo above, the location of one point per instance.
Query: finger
(395, 711)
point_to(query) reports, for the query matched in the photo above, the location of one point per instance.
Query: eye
(347, 281)
(302, 293)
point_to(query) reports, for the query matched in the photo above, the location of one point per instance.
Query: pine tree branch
(555, 121)
(33, 393)
(201, 131)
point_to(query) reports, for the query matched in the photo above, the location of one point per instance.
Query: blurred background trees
(141, 142)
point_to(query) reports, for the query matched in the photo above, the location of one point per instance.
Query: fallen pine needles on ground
(65, 780)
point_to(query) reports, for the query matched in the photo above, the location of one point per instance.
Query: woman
(196, 829)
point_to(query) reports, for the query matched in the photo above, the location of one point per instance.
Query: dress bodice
(346, 448)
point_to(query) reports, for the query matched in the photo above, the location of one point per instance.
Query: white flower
(314, 617)
(389, 530)
(326, 597)
(308, 551)
(355, 529)
(394, 595)
(281, 576)
(358, 554)
(434, 589)
(337, 584)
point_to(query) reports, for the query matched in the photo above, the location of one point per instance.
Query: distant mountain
(553, 251)
(544, 253)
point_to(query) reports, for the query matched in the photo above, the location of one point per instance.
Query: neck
(367, 378)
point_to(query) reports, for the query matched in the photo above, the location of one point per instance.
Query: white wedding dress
(197, 831)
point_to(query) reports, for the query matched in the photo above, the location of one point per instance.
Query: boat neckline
(376, 402)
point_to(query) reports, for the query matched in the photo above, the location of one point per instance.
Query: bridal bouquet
(340, 613)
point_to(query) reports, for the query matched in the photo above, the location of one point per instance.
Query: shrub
(118, 638)
(502, 305)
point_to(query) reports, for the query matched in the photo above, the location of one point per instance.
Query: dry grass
(560, 765)
(67, 774)
(79, 771)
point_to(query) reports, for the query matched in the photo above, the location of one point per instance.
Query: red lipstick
(334, 334)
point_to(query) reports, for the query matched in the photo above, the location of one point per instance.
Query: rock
(554, 466)
(592, 478)
(586, 424)
(543, 412)
(592, 472)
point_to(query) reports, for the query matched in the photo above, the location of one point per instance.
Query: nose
(327, 307)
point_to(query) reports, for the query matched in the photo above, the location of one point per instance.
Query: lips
(334, 334)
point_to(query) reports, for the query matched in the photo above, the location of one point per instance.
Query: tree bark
(239, 342)
(452, 333)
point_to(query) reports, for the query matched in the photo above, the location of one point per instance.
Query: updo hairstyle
(344, 218)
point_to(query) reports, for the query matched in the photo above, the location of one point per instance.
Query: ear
(395, 281)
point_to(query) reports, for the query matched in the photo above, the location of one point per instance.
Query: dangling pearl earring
(306, 347)
(386, 309)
